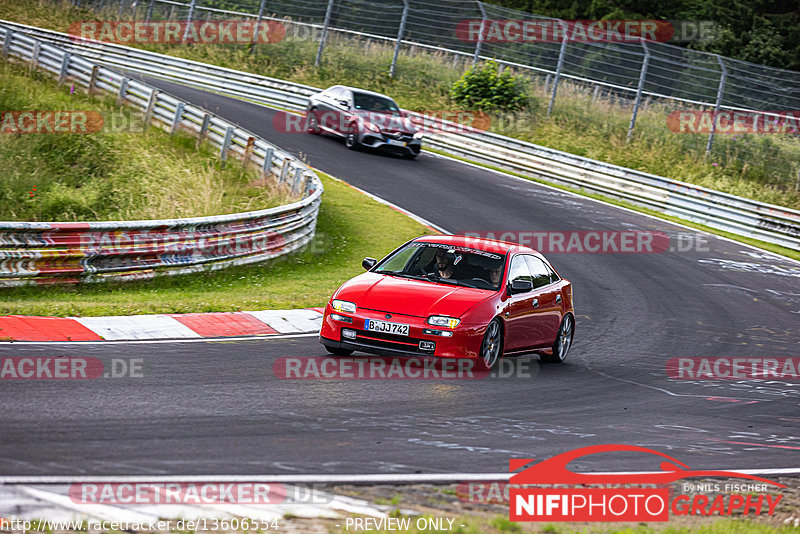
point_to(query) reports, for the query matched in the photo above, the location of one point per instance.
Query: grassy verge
(122, 172)
(763, 167)
(350, 226)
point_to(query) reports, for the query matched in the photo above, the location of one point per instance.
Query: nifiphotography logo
(627, 496)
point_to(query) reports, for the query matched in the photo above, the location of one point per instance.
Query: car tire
(336, 351)
(312, 126)
(351, 138)
(563, 341)
(492, 344)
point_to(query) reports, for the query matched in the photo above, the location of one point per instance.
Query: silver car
(363, 118)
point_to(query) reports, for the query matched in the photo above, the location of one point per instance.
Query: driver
(445, 264)
(495, 274)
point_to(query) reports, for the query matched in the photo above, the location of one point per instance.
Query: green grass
(350, 226)
(122, 172)
(762, 167)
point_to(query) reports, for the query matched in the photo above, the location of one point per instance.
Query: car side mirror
(368, 263)
(520, 286)
(344, 103)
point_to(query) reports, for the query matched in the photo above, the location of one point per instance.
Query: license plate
(397, 143)
(387, 328)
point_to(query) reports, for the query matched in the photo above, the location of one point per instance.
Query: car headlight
(372, 127)
(418, 135)
(343, 306)
(441, 320)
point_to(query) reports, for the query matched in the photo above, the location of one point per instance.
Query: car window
(539, 272)
(376, 103)
(519, 270)
(399, 261)
(553, 276)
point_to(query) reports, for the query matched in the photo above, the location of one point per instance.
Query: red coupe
(453, 297)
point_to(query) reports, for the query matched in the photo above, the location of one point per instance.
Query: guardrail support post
(123, 91)
(324, 37)
(717, 103)
(298, 175)
(151, 104)
(37, 48)
(482, 30)
(400, 32)
(284, 170)
(176, 120)
(226, 144)
(258, 25)
(266, 167)
(92, 79)
(203, 129)
(62, 74)
(639, 89)
(248, 151)
(561, 53)
(7, 43)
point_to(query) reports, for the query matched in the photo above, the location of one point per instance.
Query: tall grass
(120, 173)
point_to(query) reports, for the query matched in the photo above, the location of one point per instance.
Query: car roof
(358, 90)
(488, 245)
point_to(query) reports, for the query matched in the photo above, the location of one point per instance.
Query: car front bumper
(464, 341)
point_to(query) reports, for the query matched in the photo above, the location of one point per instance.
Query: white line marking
(154, 341)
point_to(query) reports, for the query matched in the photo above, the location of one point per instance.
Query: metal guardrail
(723, 211)
(45, 252)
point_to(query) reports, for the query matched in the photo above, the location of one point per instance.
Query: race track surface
(215, 407)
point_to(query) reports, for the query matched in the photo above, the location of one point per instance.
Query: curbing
(160, 326)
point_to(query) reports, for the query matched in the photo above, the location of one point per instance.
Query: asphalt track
(215, 407)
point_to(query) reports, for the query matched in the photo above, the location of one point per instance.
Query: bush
(483, 87)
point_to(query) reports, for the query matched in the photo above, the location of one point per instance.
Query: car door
(548, 299)
(330, 116)
(518, 313)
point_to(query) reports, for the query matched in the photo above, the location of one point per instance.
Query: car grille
(389, 341)
(400, 136)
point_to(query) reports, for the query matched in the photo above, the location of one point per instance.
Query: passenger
(495, 274)
(445, 266)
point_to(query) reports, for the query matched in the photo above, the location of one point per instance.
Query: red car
(453, 297)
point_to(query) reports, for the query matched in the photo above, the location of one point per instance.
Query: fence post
(324, 37)
(266, 167)
(203, 129)
(559, 66)
(189, 18)
(62, 75)
(258, 25)
(248, 151)
(121, 9)
(123, 91)
(717, 103)
(92, 79)
(479, 44)
(151, 104)
(176, 119)
(7, 43)
(35, 55)
(400, 32)
(150, 11)
(226, 144)
(639, 89)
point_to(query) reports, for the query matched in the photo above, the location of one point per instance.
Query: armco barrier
(730, 213)
(43, 252)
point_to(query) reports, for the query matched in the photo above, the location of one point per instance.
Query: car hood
(388, 122)
(421, 298)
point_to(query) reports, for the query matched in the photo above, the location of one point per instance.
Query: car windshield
(446, 264)
(375, 103)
